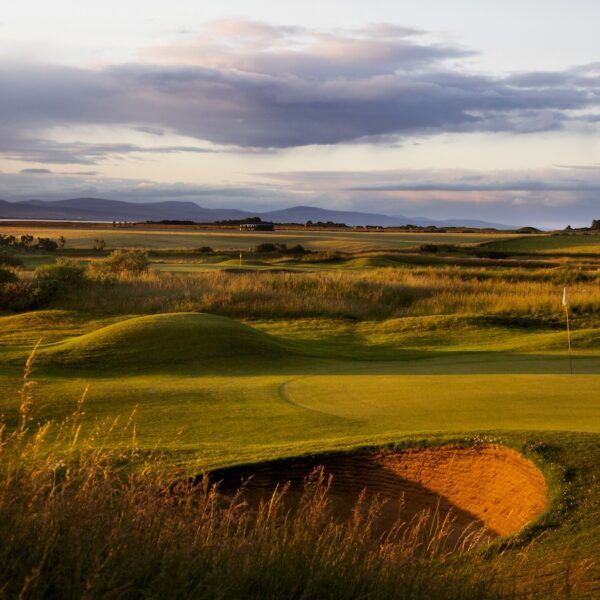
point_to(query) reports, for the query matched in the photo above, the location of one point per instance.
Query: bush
(298, 249)
(205, 250)
(47, 244)
(268, 247)
(7, 276)
(119, 262)
(67, 273)
(99, 244)
(49, 282)
(22, 296)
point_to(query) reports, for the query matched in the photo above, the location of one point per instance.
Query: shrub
(26, 241)
(119, 262)
(47, 244)
(99, 244)
(67, 273)
(298, 249)
(8, 240)
(22, 296)
(268, 247)
(7, 276)
(49, 282)
(205, 250)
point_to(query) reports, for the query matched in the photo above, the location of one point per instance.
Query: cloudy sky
(470, 109)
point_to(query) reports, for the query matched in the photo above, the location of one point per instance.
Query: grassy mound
(10, 323)
(172, 339)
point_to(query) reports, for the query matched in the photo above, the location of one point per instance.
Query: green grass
(178, 340)
(549, 244)
(213, 391)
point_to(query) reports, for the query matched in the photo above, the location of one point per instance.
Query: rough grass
(362, 294)
(97, 523)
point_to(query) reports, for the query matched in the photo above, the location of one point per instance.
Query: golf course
(437, 381)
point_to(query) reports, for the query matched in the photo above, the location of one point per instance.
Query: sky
(471, 109)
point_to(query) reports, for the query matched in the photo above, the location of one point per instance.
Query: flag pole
(566, 305)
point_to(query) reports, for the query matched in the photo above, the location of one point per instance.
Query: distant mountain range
(99, 209)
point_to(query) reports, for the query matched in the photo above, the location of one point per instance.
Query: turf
(549, 244)
(177, 340)
(213, 391)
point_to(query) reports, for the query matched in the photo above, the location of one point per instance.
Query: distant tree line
(326, 224)
(269, 248)
(28, 242)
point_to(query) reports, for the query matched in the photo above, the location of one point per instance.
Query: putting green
(388, 401)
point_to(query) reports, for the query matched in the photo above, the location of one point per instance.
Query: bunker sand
(480, 492)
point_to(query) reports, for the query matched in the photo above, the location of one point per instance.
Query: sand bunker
(488, 490)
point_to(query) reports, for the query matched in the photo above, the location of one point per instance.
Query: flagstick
(569, 339)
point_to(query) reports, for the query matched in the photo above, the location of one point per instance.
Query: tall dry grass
(369, 294)
(80, 521)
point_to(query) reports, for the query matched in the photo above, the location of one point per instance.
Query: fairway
(588, 244)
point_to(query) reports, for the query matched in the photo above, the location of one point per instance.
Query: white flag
(565, 297)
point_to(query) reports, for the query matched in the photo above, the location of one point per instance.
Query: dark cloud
(36, 171)
(253, 85)
(45, 151)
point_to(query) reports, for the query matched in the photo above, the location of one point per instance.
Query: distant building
(257, 227)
